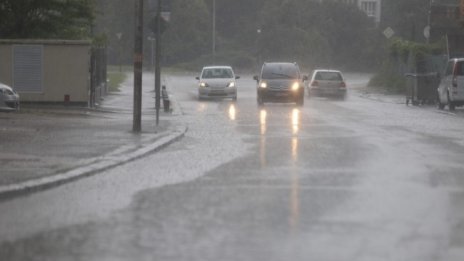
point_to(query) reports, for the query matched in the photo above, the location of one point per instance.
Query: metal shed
(47, 71)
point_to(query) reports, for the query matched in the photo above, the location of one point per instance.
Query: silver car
(9, 98)
(327, 82)
(217, 81)
(451, 87)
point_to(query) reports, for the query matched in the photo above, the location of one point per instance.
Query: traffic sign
(427, 32)
(388, 32)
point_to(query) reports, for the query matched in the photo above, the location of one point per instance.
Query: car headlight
(263, 85)
(295, 86)
(231, 84)
(203, 84)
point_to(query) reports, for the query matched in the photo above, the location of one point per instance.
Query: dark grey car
(280, 82)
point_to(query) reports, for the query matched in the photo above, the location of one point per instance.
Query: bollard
(165, 96)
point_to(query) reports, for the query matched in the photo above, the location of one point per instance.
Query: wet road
(333, 180)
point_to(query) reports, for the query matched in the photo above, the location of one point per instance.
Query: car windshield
(212, 73)
(280, 71)
(328, 76)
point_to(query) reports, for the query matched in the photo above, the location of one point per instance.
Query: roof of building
(45, 41)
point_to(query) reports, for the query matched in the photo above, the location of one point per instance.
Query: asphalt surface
(367, 178)
(44, 145)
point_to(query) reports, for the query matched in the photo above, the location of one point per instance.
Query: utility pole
(157, 62)
(138, 57)
(152, 53)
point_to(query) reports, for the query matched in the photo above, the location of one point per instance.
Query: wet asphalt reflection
(280, 182)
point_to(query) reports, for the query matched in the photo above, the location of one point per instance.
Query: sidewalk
(377, 95)
(45, 146)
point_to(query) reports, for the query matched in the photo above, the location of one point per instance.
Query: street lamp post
(258, 33)
(138, 67)
(214, 32)
(119, 36)
(157, 62)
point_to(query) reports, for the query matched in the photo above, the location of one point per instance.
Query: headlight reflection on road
(262, 143)
(295, 121)
(232, 112)
(294, 218)
(294, 150)
(202, 107)
(262, 121)
(295, 179)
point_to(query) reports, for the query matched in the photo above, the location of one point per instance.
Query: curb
(105, 162)
(376, 97)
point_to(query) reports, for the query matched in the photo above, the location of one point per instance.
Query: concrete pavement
(43, 146)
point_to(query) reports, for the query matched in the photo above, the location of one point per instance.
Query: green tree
(115, 20)
(312, 33)
(287, 33)
(189, 32)
(407, 18)
(66, 19)
(327, 34)
(353, 39)
(237, 23)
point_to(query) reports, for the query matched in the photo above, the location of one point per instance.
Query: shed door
(28, 68)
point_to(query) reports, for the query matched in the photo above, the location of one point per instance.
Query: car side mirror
(305, 78)
(256, 78)
(198, 78)
(237, 77)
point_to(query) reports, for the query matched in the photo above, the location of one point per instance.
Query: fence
(423, 78)
(98, 75)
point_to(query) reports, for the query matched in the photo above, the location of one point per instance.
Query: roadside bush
(115, 79)
(389, 79)
(404, 57)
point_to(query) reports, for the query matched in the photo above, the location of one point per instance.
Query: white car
(327, 82)
(9, 98)
(451, 87)
(217, 81)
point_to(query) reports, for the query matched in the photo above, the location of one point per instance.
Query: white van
(451, 88)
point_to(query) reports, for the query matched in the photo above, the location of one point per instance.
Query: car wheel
(260, 100)
(234, 98)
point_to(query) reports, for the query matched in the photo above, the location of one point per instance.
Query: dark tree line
(248, 32)
(406, 18)
(64, 19)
